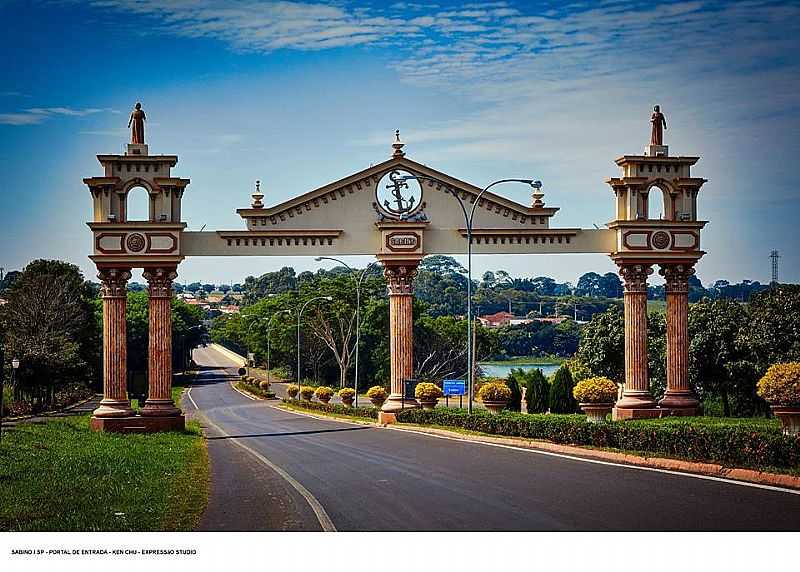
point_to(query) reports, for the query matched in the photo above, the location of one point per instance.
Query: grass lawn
(61, 476)
(659, 306)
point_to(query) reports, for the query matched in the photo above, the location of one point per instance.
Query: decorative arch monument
(398, 211)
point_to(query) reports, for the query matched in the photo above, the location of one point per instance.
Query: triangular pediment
(364, 182)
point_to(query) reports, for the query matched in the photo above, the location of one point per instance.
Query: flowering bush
(323, 393)
(306, 392)
(781, 384)
(347, 393)
(292, 391)
(377, 392)
(494, 391)
(264, 384)
(595, 390)
(428, 391)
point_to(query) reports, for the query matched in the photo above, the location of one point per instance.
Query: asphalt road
(297, 472)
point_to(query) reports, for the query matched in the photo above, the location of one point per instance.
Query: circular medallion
(660, 240)
(135, 242)
(398, 194)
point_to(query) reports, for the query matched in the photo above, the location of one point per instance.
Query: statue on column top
(137, 120)
(659, 125)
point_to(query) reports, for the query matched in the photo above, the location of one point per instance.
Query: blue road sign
(454, 387)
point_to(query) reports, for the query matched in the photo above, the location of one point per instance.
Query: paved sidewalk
(80, 408)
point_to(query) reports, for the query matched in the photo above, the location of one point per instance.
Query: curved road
(365, 478)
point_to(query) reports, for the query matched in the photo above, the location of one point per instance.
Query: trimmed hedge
(337, 408)
(739, 446)
(255, 390)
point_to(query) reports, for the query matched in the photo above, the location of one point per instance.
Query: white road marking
(324, 520)
(189, 395)
(237, 390)
(608, 463)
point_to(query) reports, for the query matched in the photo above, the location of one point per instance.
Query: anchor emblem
(397, 183)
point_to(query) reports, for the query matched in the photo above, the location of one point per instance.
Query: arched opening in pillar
(657, 204)
(138, 205)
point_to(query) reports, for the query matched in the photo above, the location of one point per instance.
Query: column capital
(159, 281)
(400, 278)
(113, 282)
(676, 277)
(635, 276)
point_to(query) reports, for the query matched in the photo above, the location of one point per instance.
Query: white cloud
(36, 115)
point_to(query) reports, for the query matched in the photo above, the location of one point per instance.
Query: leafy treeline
(52, 323)
(731, 346)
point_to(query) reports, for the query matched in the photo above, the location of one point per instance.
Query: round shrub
(595, 390)
(377, 392)
(306, 392)
(347, 393)
(323, 393)
(781, 384)
(428, 391)
(264, 385)
(292, 391)
(494, 391)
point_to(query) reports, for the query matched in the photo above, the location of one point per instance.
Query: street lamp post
(468, 217)
(246, 334)
(358, 280)
(300, 311)
(14, 368)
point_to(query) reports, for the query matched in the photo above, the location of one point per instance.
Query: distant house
(496, 320)
(229, 309)
(552, 319)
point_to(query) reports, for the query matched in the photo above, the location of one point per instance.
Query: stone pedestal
(637, 401)
(679, 397)
(159, 401)
(399, 280)
(113, 291)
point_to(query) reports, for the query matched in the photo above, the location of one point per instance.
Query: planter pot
(495, 407)
(377, 402)
(348, 402)
(324, 400)
(790, 418)
(428, 403)
(596, 412)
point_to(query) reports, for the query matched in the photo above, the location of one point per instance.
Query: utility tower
(774, 256)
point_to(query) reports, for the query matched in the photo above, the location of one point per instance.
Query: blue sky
(299, 94)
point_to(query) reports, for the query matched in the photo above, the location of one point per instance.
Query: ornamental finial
(397, 145)
(257, 196)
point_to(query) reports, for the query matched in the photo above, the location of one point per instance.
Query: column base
(397, 403)
(618, 414)
(159, 408)
(110, 408)
(681, 403)
(137, 424)
(636, 400)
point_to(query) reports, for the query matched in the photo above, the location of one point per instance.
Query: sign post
(454, 387)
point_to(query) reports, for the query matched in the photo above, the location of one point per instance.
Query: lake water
(493, 370)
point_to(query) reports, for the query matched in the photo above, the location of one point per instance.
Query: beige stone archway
(345, 218)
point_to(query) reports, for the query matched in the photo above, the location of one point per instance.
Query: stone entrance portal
(356, 216)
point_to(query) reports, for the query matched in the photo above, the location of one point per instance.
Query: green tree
(47, 324)
(537, 389)
(774, 325)
(561, 398)
(515, 402)
(602, 344)
(720, 360)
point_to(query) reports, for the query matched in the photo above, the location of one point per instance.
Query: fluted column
(399, 280)
(637, 383)
(113, 291)
(159, 398)
(679, 395)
